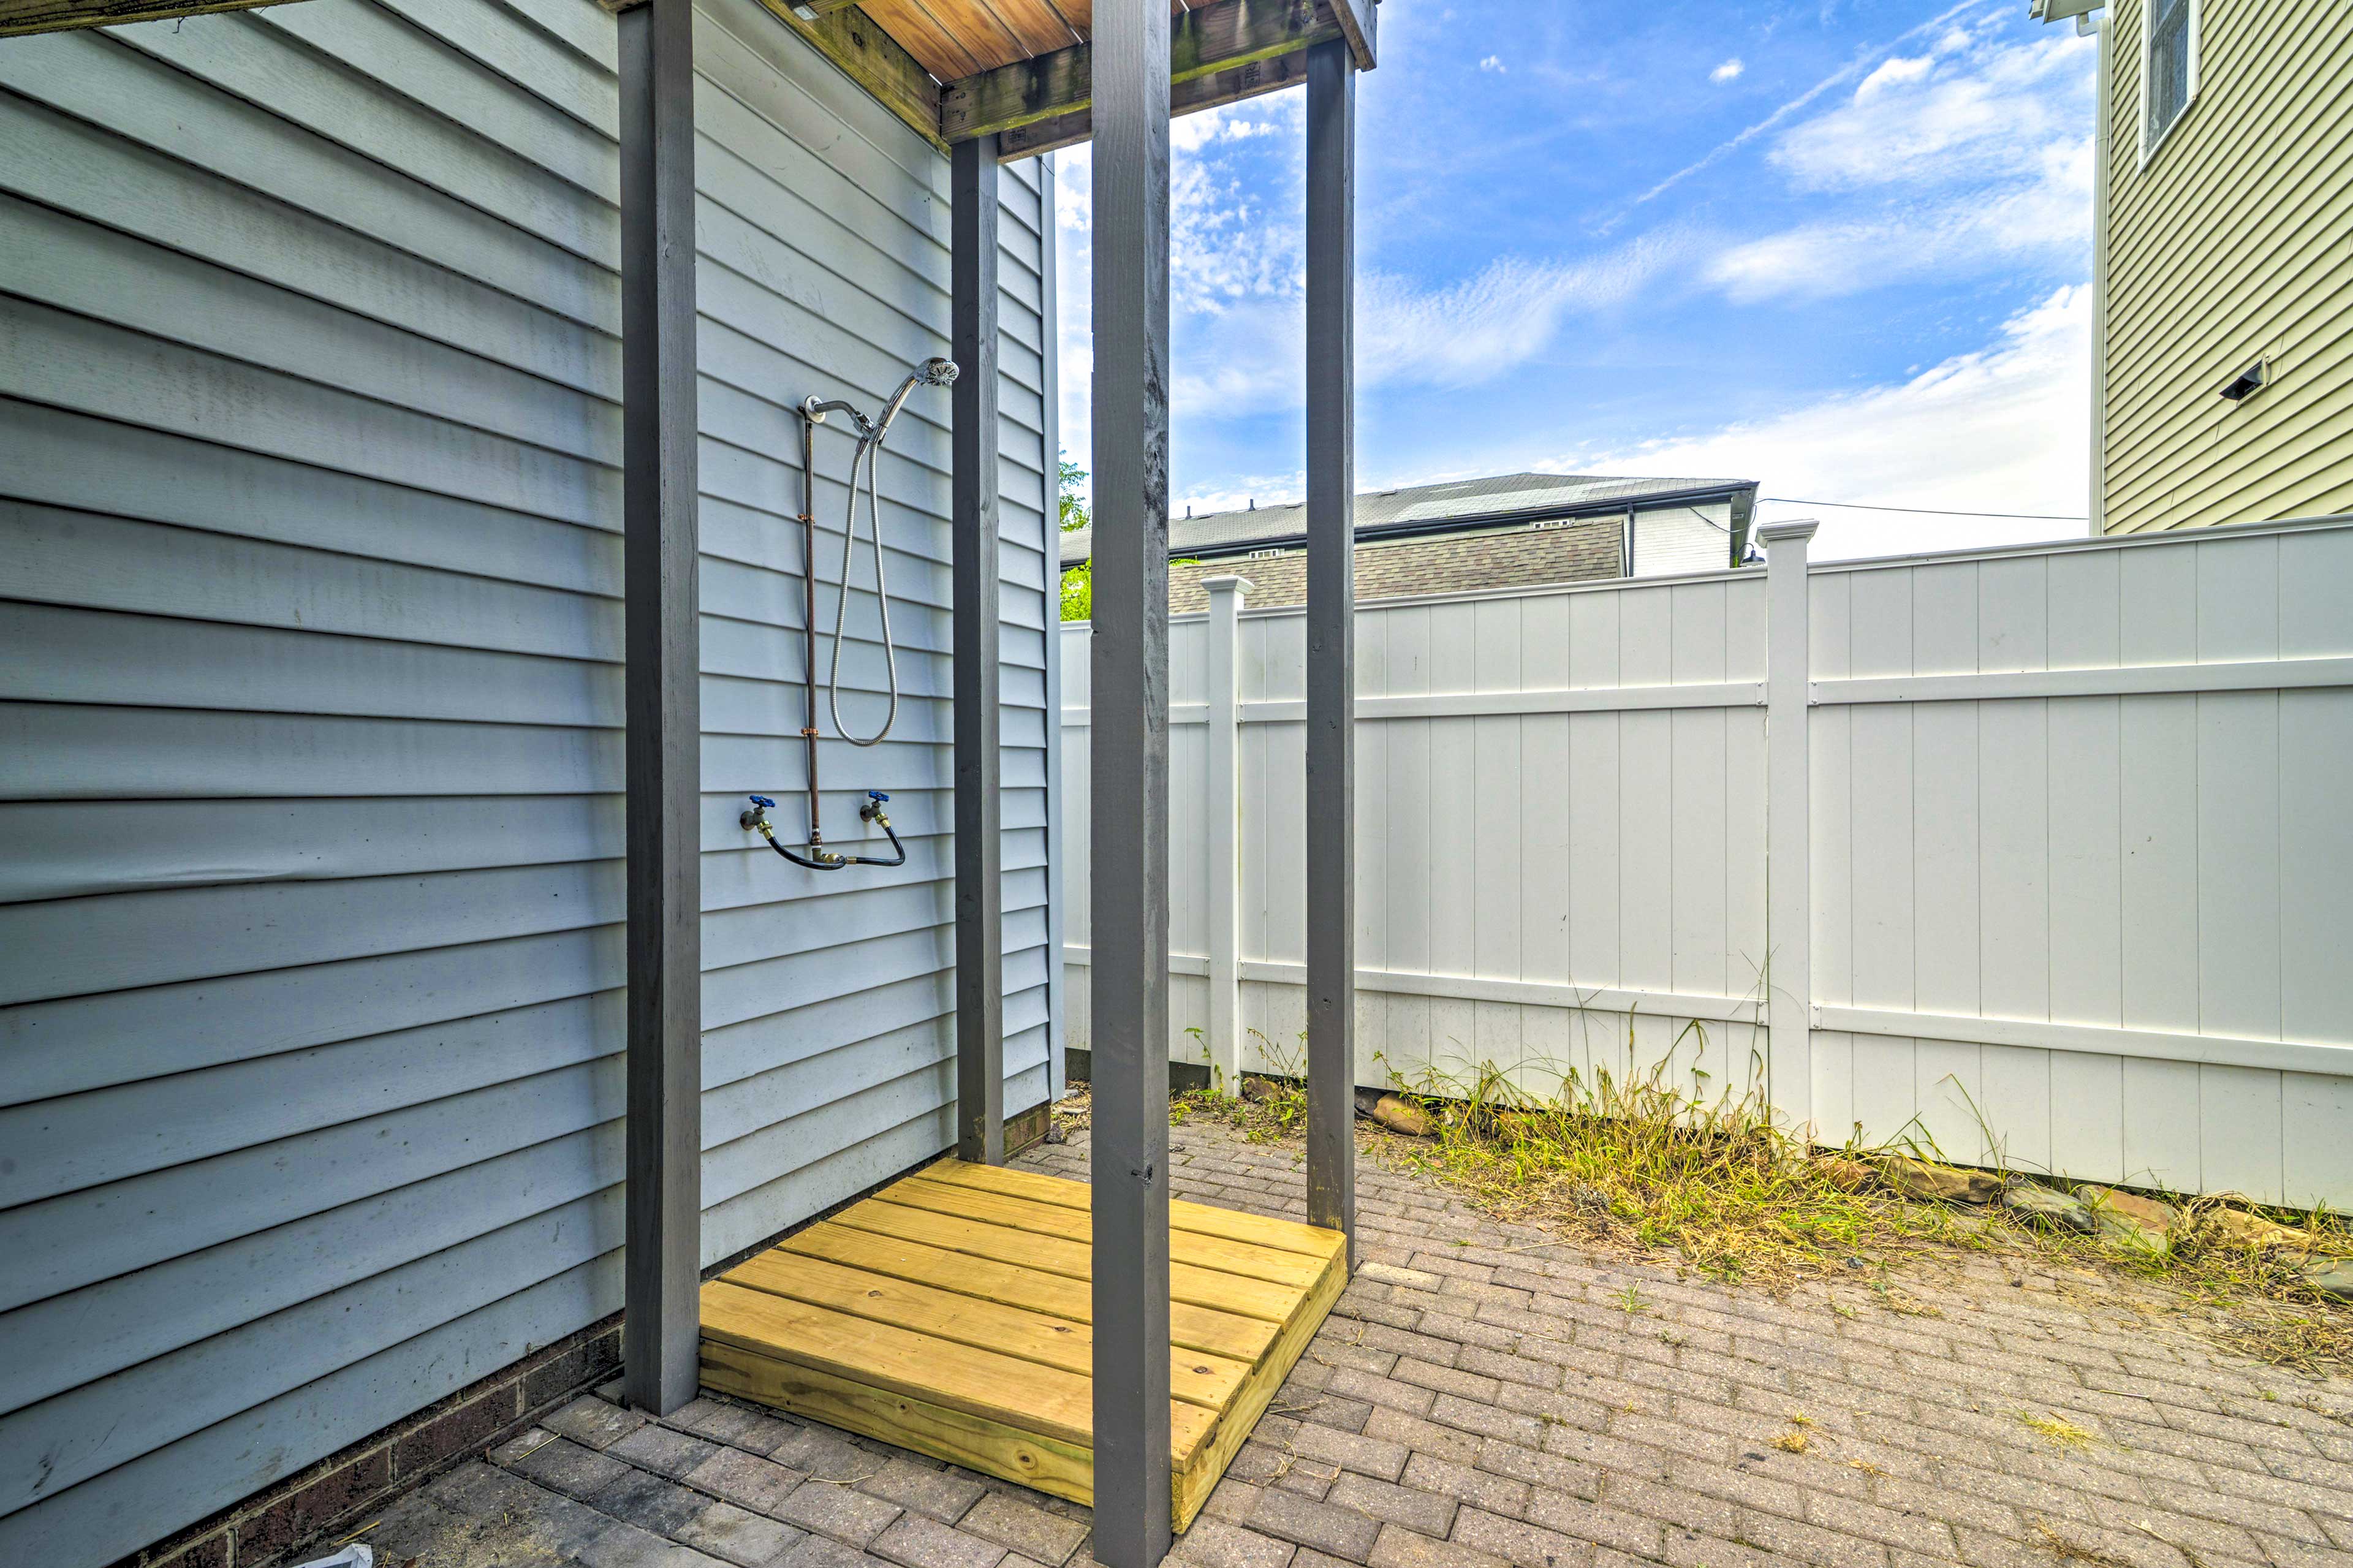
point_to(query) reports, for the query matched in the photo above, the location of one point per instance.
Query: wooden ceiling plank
(979, 30)
(920, 33)
(1226, 34)
(1041, 26)
(1081, 14)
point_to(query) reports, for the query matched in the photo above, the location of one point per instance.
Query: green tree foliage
(1078, 582)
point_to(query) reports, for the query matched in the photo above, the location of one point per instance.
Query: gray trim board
(661, 1325)
(1051, 374)
(976, 569)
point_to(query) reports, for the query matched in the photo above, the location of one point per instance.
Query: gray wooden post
(1789, 849)
(661, 1274)
(979, 891)
(1222, 814)
(1331, 639)
(1129, 757)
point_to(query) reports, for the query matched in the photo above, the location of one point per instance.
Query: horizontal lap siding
(2227, 247)
(311, 707)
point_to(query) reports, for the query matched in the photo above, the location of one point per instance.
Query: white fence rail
(2065, 832)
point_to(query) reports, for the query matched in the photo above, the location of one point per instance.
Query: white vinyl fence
(2067, 831)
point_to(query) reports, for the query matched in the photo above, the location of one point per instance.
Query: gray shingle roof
(1500, 495)
(1434, 563)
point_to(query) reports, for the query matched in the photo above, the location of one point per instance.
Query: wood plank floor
(949, 1314)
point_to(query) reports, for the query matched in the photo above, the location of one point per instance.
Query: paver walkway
(1483, 1399)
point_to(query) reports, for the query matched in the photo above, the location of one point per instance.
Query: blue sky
(1841, 249)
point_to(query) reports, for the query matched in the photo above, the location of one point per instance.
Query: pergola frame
(1120, 88)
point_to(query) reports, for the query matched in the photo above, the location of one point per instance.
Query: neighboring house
(1512, 530)
(2222, 374)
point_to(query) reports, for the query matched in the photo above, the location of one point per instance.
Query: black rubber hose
(892, 834)
(756, 820)
(805, 860)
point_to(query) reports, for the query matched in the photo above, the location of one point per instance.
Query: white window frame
(2149, 144)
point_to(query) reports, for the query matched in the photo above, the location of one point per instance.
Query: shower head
(932, 372)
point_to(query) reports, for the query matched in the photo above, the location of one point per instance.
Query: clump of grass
(2066, 1549)
(1643, 1159)
(2058, 1430)
(1662, 1163)
(1793, 1442)
(1265, 1107)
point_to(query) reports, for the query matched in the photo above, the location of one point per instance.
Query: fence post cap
(1796, 528)
(1227, 584)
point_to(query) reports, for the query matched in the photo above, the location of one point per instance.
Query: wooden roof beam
(1359, 24)
(18, 16)
(1252, 80)
(1222, 40)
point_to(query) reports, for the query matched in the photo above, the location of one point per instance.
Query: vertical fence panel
(2013, 615)
(2014, 843)
(1831, 885)
(2316, 732)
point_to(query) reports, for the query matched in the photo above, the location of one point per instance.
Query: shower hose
(869, 448)
(819, 858)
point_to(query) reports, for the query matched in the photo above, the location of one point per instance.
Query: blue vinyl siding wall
(311, 707)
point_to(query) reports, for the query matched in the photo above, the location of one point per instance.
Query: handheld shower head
(932, 372)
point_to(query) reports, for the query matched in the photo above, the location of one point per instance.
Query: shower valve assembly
(870, 435)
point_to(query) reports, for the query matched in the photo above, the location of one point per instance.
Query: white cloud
(1234, 255)
(1237, 277)
(1232, 122)
(1074, 359)
(1492, 63)
(2046, 214)
(1973, 156)
(2005, 429)
(1502, 317)
(1250, 354)
(1727, 71)
(1265, 490)
(1844, 74)
(1972, 112)
(1901, 67)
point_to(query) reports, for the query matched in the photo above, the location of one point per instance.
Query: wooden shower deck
(948, 1314)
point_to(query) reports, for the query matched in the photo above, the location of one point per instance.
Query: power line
(1934, 510)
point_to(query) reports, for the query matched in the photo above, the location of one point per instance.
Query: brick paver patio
(1483, 1397)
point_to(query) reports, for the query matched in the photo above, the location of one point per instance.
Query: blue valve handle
(762, 800)
(876, 795)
